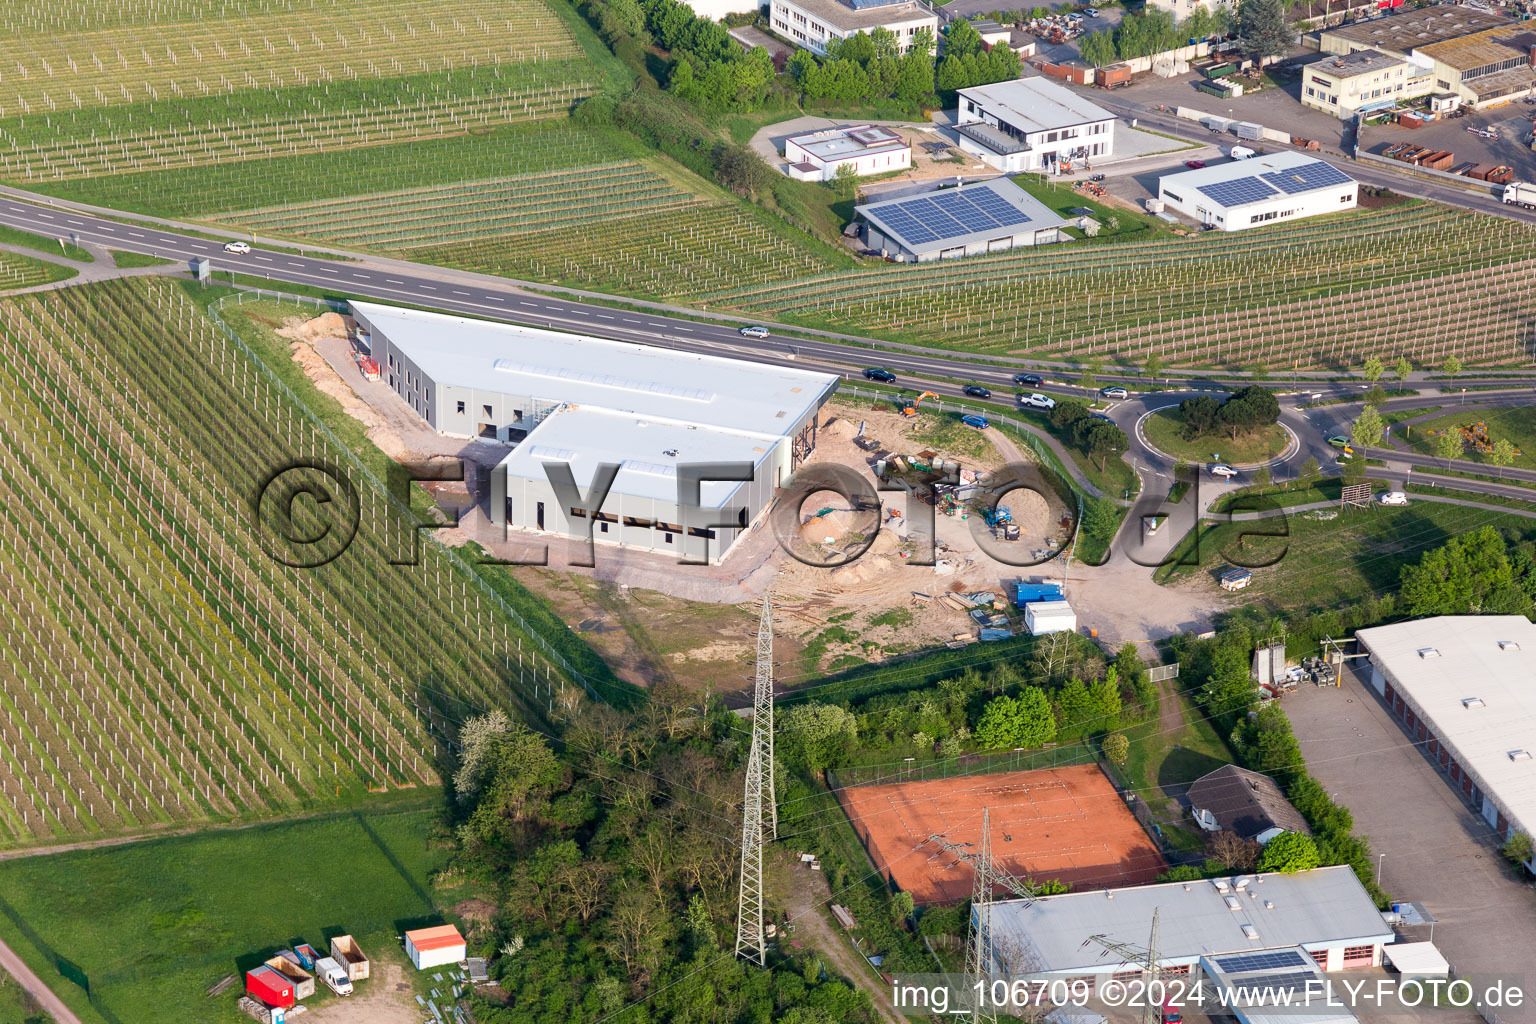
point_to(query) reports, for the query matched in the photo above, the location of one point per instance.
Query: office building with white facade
(1033, 124)
(811, 24)
(866, 148)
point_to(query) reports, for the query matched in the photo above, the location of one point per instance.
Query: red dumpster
(269, 986)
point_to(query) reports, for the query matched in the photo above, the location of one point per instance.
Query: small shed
(1044, 617)
(434, 947)
(1415, 960)
(1236, 579)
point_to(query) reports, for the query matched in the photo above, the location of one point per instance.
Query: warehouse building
(1261, 190)
(1400, 34)
(435, 947)
(987, 216)
(812, 24)
(584, 402)
(1486, 69)
(1362, 81)
(1033, 124)
(866, 148)
(1326, 912)
(1464, 689)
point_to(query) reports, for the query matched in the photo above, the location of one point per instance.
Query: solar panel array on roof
(950, 215)
(864, 5)
(1266, 960)
(1306, 177)
(1238, 191)
(1260, 986)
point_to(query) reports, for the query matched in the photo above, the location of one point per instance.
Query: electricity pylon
(1146, 958)
(759, 813)
(986, 876)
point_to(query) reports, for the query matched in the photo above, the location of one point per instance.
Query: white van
(1241, 153)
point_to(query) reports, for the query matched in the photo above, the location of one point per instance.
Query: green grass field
(1318, 564)
(156, 923)
(1162, 432)
(1114, 223)
(1162, 763)
(15, 236)
(1518, 426)
(138, 259)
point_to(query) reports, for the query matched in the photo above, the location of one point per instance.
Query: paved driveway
(1436, 850)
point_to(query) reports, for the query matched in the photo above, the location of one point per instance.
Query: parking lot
(1432, 848)
(1512, 148)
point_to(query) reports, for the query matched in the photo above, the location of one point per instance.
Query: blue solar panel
(1266, 960)
(1238, 191)
(950, 214)
(1307, 177)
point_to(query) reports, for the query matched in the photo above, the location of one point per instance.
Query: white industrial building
(812, 24)
(1325, 911)
(1261, 190)
(1464, 688)
(435, 947)
(866, 148)
(584, 402)
(1361, 82)
(987, 216)
(1033, 124)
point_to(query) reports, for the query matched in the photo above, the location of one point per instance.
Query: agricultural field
(170, 654)
(1419, 280)
(639, 226)
(18, 271)
(158, 86)
(144, 935)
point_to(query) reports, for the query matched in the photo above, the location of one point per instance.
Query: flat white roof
(682, 387)
(851, 140)
(647, 451)
(1417, 958)
(1473, 678)
(1036, 104)
(1324, 906)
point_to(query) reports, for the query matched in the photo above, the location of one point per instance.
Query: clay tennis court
(1064, 823)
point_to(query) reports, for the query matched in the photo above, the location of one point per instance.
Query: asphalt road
(942, 373)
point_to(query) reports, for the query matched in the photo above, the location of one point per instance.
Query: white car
(1223, 470)
(753, 332)
(1038, 401)
(238, 248)
(1392, 498)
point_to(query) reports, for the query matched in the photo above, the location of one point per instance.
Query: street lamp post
(1379, 859)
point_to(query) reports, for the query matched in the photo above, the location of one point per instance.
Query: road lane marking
(428, 288)
(602, 316)
(393, 281)
(457, 292)
(264, 259)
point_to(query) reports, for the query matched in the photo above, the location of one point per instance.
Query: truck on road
(1520, 193)
(334, 975)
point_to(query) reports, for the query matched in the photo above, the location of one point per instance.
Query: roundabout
(1158, 430)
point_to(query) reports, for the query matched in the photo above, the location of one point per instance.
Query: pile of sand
(326, 325)
(840, 429)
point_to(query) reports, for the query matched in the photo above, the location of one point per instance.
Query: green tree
(1101, 519)
(818, 735)
(1022, 721)
(1154, 365)
(1098, 48)
(1198, 415)
(1367, 429)
(1310, 471)
(1451, 367)
(1448, 444)
(847, 180)
(1262, 479)
(517, 776)
(1067, 413)
(1117, 748)
(1403, 368)
(1376, 397)
(1503, 454)
(745, 173)
(1262, 28)
(1288, 853)
(961, 39)
(1090, 377)
(1373, 369)
(1102, 440)
(1519, 848)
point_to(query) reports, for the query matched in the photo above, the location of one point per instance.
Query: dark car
(883, 376)
(1028, 378)
(976, 391)
(1100, 416)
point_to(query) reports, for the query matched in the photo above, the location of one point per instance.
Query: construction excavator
(909, 405)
